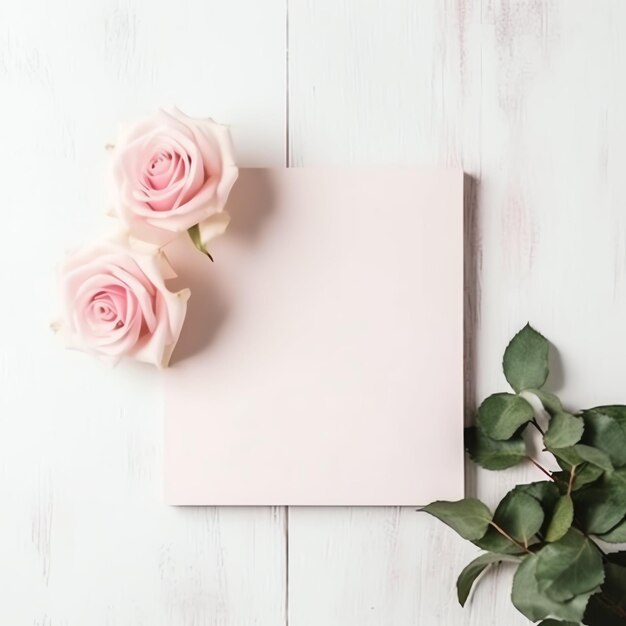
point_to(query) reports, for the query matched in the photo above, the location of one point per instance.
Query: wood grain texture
(84, 535)
(527, 95)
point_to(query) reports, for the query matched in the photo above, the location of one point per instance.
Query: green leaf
(544, 491)
(196, 238)
(502, 414)
(569, 567)
(605, 429)
(594, 456)
(567, 457)
(525, 360)
(598, 613)
(562, 518)
(616, 535)
(469, 575)
(492, 454)
(554, 622)
(520, 516)
(581, 453)
(614, 587)
(585, 475)
(551, 403)
(534, 604)
(616, 411)
(610, 608)
(601, 507)
(598, 510)
(547, 494)
(469, 517)
(497, 543)
(565, 430)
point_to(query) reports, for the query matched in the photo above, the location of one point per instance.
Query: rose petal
(172, 172)
(116, 303)
(213, 226)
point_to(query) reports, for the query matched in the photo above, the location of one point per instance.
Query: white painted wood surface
(529, 96)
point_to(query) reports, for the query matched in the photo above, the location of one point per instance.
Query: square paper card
(322, 358)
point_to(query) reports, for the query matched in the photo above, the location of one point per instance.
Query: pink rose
(116, 304)
(171, 173)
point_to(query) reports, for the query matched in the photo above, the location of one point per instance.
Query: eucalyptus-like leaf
(535, 604)
(495, 542)
(609, 608)
(547, 494)
(599, 613)
(567, 457)
(501, 415)
(551, 403)
(569, 567)
(470, 518)
(520, 516)
(525, 360)
(492, 454)
(605, 429)
(580, 453)
(565, 430)
(561, 520)
(544, 491)
(602, 506)
(598, 510)
(472, 571)
(616, 411)
(595, 456)
(616, 535)
(614, 587)
(585, 475)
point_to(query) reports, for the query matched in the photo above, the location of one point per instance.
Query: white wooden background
(529, 96)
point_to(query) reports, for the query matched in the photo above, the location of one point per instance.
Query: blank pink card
(322, 358)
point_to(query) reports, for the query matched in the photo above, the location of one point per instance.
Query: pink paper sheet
(322, 359)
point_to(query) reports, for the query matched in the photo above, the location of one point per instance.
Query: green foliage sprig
(549, 529)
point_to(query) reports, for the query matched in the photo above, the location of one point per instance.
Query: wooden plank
(526, 96)
(84, 536)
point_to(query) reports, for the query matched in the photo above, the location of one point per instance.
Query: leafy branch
(549, 529)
